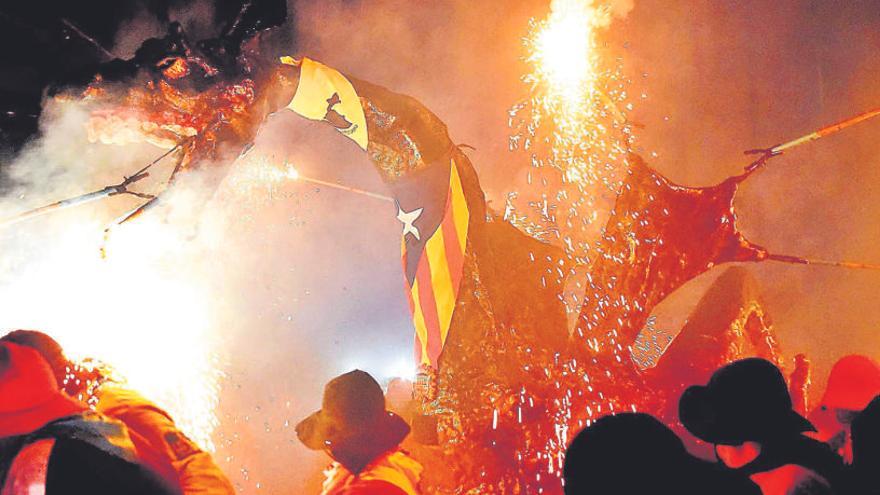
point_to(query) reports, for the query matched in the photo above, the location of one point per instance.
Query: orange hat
(853, 382)
(29, 394)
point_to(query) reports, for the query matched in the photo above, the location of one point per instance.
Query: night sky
(42, 46)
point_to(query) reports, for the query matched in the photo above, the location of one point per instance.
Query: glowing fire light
(571, 125)
(575, 132)
(148, 310)
(142, 311)
(564, 54)
(260, 171)
(257, 177)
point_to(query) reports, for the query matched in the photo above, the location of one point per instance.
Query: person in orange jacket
(363, 438)
(51, 444)
(159, 442)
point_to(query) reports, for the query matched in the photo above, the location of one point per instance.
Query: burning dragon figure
(504, 379)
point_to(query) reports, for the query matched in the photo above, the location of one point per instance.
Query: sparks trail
(572, 127)
(267, 171)
(345, 188)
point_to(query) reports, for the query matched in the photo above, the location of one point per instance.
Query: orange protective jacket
(393, 473)
(162, 444)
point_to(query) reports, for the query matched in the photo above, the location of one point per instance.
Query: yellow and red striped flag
(433, 253)
(429, 192)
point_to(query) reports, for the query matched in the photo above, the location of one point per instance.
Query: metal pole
(120, 188)
(825, 131)
(73, 27)
(797, 260)
(778, 149)
(59, 205)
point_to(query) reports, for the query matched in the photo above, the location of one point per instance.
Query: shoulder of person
(114, 400)
(372, 487)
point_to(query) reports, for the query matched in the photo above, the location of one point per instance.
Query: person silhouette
(52, 444)
(866, 448)
(362, 437)
(634, 453)
(745, 410)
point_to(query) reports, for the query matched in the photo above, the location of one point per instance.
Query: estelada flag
(424, 171)
(434, 211)
(473, 282)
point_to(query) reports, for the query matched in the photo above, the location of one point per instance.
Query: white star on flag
(407, 218)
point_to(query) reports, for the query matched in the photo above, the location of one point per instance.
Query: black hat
(353, 408)
(634, 453)
(746, 400)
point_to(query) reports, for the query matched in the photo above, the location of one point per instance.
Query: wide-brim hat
(747, 400)
(353, 409)
(29, 394)
(318, 433)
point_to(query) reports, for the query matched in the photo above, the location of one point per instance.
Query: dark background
(42, 45)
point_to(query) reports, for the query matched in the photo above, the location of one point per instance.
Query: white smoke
(145, 308)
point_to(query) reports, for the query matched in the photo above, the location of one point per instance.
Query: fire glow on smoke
(152, 309)
(136, 311)
(573, 128)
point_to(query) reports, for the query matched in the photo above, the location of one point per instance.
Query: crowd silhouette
(761, 444)
(65, 429)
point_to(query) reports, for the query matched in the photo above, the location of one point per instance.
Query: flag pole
(60, 205)
(797, 260)
(121, 188)
(73, 27)
(778, 149)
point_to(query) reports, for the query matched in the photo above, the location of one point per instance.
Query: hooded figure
(745, 410)
(157, 441)
(854, 380)
(634, 453)
(49, 443)
(362, 437)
